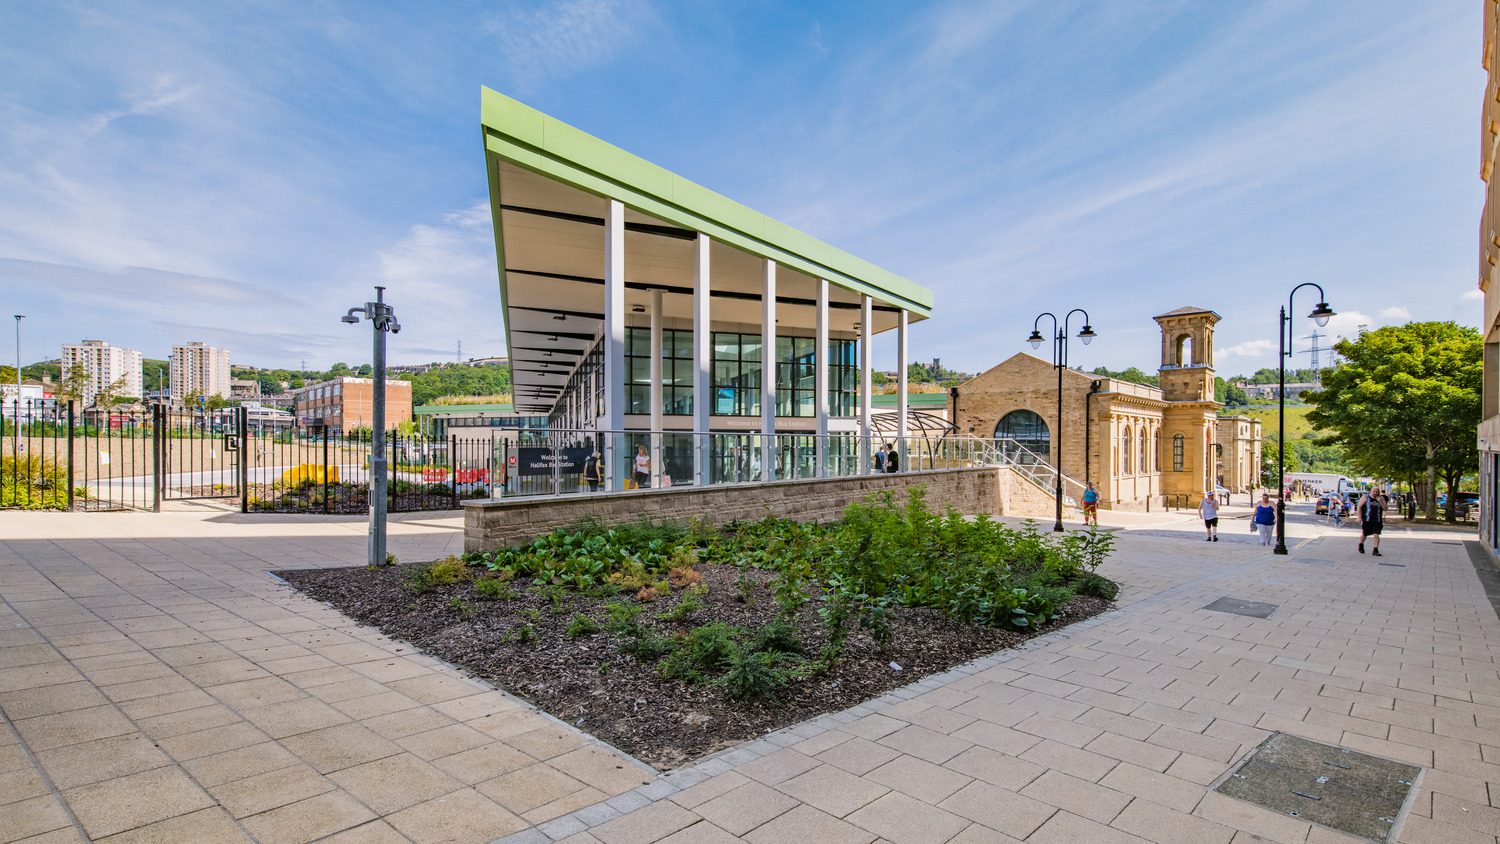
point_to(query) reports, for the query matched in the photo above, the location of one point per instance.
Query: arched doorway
(1029, 431)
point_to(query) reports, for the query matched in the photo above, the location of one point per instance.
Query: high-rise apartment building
(199, 369)
(106, 367)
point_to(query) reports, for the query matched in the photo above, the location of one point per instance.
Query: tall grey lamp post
(1319, 315)
(1060, 362)
(382, 319)
(19, 317)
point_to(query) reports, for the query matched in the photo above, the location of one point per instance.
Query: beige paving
(1115, 729)
(157, 685)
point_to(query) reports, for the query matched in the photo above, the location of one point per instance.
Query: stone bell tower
(1187, 385)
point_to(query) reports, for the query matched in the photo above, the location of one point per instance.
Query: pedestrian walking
(1371, 521)
(1091, 505)
(880, 454)
(593, 472)
(892, 459)
(1265, 518)
(1208, 510)
(1336, 509)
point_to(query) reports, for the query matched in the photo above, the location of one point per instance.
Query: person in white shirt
(642, 468)
(1208, 509)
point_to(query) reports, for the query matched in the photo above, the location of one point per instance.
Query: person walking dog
(1371, 521)
(1208, 509)
(1265, 519)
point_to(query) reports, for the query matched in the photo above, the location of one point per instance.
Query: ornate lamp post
(1320, 315)
(382, 319)
(1060, 362)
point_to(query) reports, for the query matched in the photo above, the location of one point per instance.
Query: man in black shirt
(1371, 520)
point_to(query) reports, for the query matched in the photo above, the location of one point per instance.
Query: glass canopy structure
(648, 316)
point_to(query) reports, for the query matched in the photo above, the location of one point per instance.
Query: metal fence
(57, 457)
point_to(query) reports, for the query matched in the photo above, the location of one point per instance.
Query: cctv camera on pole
(382, 319)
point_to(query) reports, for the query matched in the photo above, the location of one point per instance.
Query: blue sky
(242, 173)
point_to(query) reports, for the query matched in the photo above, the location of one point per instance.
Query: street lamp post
(1320, 315)
(18, 317)
(382, 319)
(1060, 362)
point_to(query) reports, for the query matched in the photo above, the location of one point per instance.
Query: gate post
(453, 466)
(327, 507)
(70, 456)
(242, 421)
(158, 442)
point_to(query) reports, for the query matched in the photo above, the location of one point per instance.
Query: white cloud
(1248, 349)
(1395, 313)
(442, 279)
(561, 39)
(1475, 295)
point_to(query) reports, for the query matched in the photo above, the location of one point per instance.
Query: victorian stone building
(1142, 446)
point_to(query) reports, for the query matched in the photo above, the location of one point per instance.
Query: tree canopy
(1406, 402)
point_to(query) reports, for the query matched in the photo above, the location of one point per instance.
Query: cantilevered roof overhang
(550, 184)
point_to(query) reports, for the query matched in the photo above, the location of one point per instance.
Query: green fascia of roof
(436, 409)
(528, 138)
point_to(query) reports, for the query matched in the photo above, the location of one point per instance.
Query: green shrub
(687, 606)
(494, 589)
(423, 579)
(462, 607)
(778, 636)
(753, 676)
(581, 625)
(1096, 585)
(32, 483)
(704, 650)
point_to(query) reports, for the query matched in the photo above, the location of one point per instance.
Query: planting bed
(671, 643)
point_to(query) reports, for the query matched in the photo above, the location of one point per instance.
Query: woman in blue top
(1265, 518)
(1091, 506)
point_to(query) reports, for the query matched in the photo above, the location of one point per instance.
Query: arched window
(1184, 356)
(1125, 451)
(1029, 431)
(1178, 442)
(1145, 464)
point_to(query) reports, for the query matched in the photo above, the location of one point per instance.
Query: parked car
(1465, 504)
(1321, 506)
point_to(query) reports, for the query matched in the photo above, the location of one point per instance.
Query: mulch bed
(587, 682)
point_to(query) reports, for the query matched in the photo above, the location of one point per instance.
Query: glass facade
(735, 381)
(1029, 431)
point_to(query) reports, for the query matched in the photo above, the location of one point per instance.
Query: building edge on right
(1489, 257)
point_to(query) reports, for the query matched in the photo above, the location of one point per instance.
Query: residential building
(1141, 446)
(645, 312)
(244, 389)
(1489, 257)
(347, 403)
(1271, 391)
(199, 369)
(107, 368)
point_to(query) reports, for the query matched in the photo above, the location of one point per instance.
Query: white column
(866, 328)
(901, 424)
(702, 359)
(820, 379)
(614, 344)
(768, 374)
(657, 470)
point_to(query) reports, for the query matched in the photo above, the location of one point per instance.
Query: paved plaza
(156, 684)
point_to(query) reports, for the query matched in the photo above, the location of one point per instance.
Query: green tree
(74, 386)
(1133, 375)
(1405, 403)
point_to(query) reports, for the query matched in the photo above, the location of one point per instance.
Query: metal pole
(327, 505)
(158, 423)
(1281, 438)
(243, 423)
(1058, 359)
(70, 456)
(377, 439)
(19, 317)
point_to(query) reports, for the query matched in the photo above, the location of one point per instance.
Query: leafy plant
(704, 649)
(423, 579)
(687, 606)
(1097, 585)
(494, 589)
(777, 636)
(581, 625)
(753, 676)
(462, 607)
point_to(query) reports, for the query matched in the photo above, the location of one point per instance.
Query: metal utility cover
(1254, 609)
(1342, 789)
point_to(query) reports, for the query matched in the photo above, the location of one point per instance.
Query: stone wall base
(498, 523)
